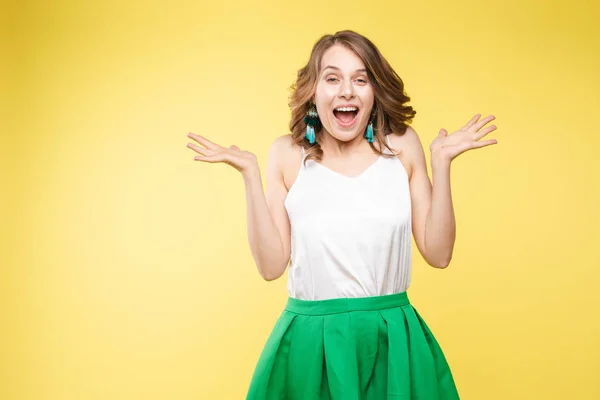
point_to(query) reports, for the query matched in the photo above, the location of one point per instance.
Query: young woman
(345, 190)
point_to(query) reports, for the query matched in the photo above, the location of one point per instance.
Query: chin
(345, 136)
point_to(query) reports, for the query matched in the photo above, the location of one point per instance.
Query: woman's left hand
(447, 147)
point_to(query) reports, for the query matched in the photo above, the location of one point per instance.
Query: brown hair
(391, 111)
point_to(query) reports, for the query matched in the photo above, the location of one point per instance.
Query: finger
(478, 125)
(443, 132)
(200, 150)
(234, 147)
(484, 131)
(485, 143)
(211, 159)
(216, 157)
(203, 141)
(471, 122)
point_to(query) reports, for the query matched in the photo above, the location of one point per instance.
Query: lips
(345, 118)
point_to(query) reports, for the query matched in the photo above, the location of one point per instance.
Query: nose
(346, 89)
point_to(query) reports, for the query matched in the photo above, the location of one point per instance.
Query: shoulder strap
(389, 143)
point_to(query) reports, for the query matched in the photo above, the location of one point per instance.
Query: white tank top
(350, 236)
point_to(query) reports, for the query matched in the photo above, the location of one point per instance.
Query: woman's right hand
(243, 161)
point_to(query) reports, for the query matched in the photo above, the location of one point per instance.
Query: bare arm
(268, 223)
(434, 227)
(434, 223)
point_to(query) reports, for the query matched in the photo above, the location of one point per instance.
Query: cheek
(325, 97)
(367, 94)
(368, 103)
(326, 93)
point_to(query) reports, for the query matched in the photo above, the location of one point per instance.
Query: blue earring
(313, 123)
(369, 132)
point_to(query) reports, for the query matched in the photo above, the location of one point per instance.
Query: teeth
(346, 109)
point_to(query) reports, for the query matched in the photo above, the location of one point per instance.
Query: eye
(331, 79)
(362, 81)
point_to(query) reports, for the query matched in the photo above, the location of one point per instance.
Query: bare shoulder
(409, 138)
(283, 148)
(285, 156)
(409, 145)
(283, 143)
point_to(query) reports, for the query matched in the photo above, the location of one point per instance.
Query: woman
(344, 192)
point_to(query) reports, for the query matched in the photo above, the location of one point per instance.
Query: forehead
(342, 58)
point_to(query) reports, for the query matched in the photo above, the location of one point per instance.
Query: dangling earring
(369, 132)
(313, 124)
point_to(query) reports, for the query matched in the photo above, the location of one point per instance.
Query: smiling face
(344, 96)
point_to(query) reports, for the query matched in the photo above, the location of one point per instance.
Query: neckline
(350, 176)
(371, 166)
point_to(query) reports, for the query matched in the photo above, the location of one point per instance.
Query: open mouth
(345, 115)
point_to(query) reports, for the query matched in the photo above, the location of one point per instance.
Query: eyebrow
(336, 68)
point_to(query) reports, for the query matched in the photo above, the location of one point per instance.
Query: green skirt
(369, 348)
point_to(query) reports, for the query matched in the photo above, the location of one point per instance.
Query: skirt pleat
(307, 355)
(443, 373)
(273, 362)
(371, 348)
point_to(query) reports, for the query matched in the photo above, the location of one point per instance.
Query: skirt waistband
(341, 305)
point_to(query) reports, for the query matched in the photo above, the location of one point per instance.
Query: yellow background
(126, 272)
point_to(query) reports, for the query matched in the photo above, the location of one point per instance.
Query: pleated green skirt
(370, 348)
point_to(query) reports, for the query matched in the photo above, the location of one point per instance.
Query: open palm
(466, 138)
(211, 152)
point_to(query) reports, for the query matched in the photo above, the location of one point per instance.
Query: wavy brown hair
(391, 112)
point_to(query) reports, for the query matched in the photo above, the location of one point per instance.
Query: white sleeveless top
(351, 236)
